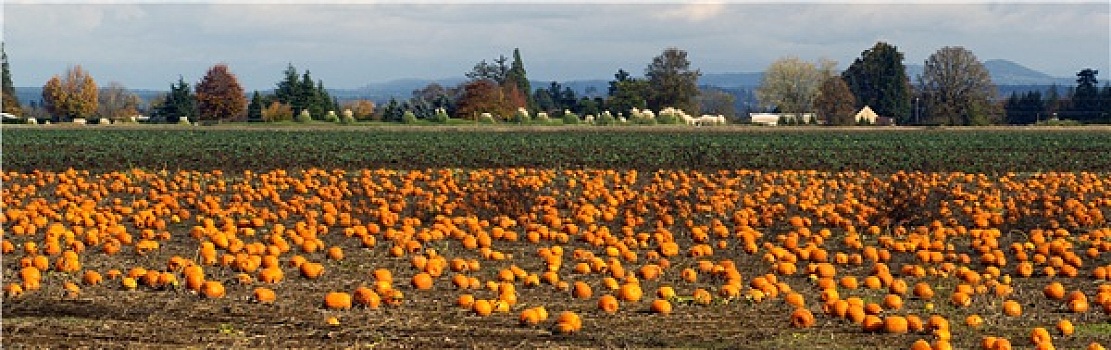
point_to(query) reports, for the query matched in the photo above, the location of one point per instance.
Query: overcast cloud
(350, 44)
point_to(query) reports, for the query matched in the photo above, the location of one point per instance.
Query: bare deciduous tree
(792, 84)
(117, 103)
(957, 88)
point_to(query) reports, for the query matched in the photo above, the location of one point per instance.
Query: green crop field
(995, 150)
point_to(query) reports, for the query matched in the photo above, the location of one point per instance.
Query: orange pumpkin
(1065, 327)
(895, 324)
(661, 306)
(92, 278)
(802, 318)
(422, 281)
(1054, 291)
(337, 301)
(213, 289)
(529, 317)
(1012, 308)
(608, 303)
(581, 290)
(630, 292)
(263, 295)
(1039, 335)
(872, 324)
(568, 322)
(974, 321)
(483, 307)
(366, 297)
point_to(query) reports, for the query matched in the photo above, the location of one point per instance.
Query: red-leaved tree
(220, 97)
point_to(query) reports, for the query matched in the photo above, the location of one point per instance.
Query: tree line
(954, 89)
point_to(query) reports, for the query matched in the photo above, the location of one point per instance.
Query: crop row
(882, 151)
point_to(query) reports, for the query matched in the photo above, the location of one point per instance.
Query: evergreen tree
(879, 80)
(626, 93)
(10, 101)
(673, 82)
(1085, 99)
(179, 103)
(289, 88)
(1028, 108)
(518, 77)
(393, 111)
(544, 101)
(254, 110)
(307, 97)
(1052, 100)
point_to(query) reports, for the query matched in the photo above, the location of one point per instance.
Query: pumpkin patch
(899, 259)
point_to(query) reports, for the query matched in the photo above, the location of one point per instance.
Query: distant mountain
(1005, 73)
(731, 80)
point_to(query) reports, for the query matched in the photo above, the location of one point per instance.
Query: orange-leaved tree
(73, 97)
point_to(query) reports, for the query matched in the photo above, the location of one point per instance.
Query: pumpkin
(802, 318)
(568, 322)
(335, 253)
(921, 344)
(1078, 305)
(661, 306)
(581, 290)
(263, 295)
(974, 321)
(895, 324)
(1065, 327)
(213, 290)
(311, 270)
(465, 301)
(892, 302)
(92, 278)
(13, 290)
(483, 307)
(1040, 335)
(630, 292)
(1012, 308)
(795, 299)
(394, 297)
(702, 297)
(272, 274)
(915, 324)
(383, 275)
(666, 292)
(366, 297)
(872, 324)
(529, 317)
(129, 283)
(337, 301)
(422, 281)
(1001, 344)
(608, 303)
(923, 291)
(1054, 291)
(961, 299)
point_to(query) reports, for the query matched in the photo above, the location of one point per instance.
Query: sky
(351, 43)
